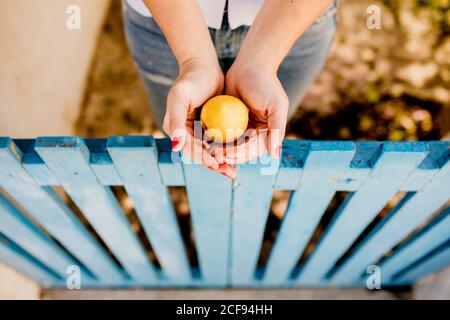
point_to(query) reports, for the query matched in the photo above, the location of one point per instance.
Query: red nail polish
(175, 142)
(225, 175)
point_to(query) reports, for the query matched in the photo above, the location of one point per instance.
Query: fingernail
(224, 174)
(175, 143)
(278, 151)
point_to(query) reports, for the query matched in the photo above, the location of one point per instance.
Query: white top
(240, 12)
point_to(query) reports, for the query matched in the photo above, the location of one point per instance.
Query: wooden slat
(251, 203)
(209, 195)
(419, 247)
(395, 162)
(33, 164)
(172, 174)
(16, 227)
(68, 159)
(436, 262)
(171, 171)
(227, 245)
(100, 163)
(291, 165)
(429, 167)
(136, 160)
(15, 258)
(418, 208)
(360, 166)
(324, 166)
(51, 213)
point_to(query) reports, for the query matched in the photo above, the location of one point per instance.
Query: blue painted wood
(324, 166)
(172, 174)
(360, 166)
(209, 195)
(438, 260)
(391, 169)
(51, 213)
(171, 171)
(293, 159)
(68, 159)
(251, 203)
(14, 257)
(33, 164)
(418, 247)
(136, 160)
(100, 163)
(428, 168)
(18, 228)
(228, 221)
(418, 208)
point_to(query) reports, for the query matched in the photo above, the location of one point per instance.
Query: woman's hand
(200, 77)
(197, 81)
(258, 86)
(253, 76)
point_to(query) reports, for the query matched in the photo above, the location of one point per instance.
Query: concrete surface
(436, 286)
(44, 65)
(230, 294)
(16, 286)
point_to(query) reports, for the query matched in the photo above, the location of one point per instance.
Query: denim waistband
(136, 18)
(149, 22)
(226, 40)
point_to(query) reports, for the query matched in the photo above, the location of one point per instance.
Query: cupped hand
(197, 81)
(261, 90)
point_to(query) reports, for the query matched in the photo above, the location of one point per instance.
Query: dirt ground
(387, 84)
(115, 102)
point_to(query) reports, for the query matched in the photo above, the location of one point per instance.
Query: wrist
(198, 61)
(253, 55)
(202, 54)
(249, 63)
(208, 63)
(206, 67)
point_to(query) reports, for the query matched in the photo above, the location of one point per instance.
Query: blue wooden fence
(42, 237)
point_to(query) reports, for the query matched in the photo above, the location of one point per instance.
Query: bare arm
(253, 76)
(184, 27)
(276, 28)
(199, 79)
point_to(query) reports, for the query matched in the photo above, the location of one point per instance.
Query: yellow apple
(225, 118)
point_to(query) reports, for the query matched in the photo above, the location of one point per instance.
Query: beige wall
(15, 286)
(43, 70)
(43, 64)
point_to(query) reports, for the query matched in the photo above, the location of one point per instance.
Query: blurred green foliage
(387, 84)
(440, 12)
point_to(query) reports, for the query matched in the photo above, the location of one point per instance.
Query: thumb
(175, 119)
(277, 119)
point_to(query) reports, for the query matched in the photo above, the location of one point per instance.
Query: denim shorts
(158, 67)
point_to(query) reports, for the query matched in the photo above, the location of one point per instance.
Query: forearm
(185, 29)
(276, 28)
